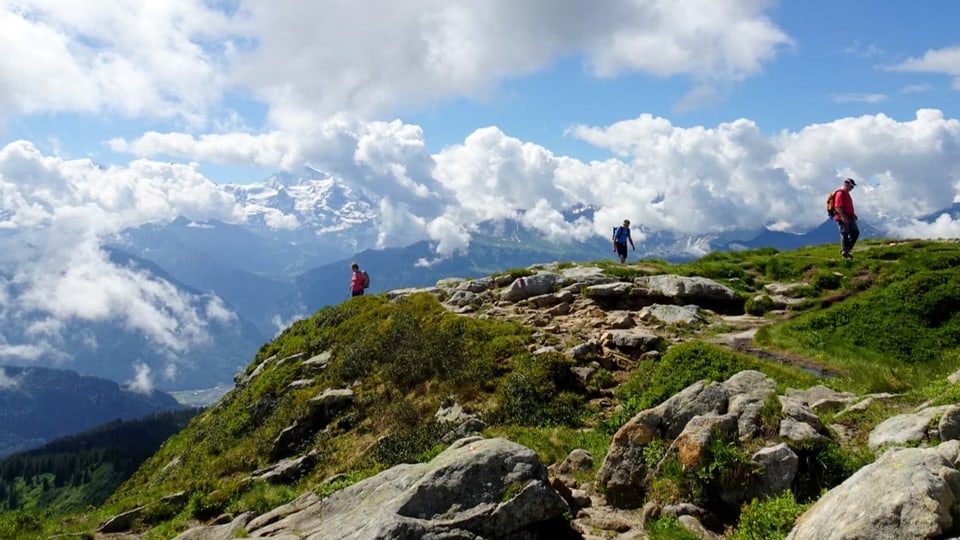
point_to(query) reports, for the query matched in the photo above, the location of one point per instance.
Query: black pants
(849, 232)
(622, 250)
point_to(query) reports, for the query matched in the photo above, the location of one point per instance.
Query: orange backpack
(831, 203)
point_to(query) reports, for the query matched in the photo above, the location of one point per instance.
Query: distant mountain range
(38, 405)
(269, 276)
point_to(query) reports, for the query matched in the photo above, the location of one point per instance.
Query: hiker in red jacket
(358, 280)
(846, 218)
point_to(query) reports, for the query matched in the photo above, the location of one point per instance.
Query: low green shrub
(261, 497)
(728, 468)
(538, 392)
(825, 466)
(680, 367)
(759, 305)
(21, 524)
(826, 280)
(769, 519)
(409, 445)
(669, 528)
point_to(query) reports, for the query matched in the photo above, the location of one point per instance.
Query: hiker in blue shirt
(621, 235)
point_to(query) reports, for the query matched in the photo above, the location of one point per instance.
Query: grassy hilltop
(888, 321)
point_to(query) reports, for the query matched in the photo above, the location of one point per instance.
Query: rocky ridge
(492, 488)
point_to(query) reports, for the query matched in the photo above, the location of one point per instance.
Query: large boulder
(477, 488)
(691, 290)
(529, 286)
(908, 493)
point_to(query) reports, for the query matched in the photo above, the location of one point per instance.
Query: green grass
(899, 336)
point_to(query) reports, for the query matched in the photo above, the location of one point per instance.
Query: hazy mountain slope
(225, 259)
(39, 404)
(110, 348)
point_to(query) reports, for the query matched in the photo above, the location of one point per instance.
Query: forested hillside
(80, 471)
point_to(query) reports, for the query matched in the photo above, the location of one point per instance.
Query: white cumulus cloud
(58, 214)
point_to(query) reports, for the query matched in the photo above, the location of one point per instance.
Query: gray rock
(229, 531)
(477, 488)
(579, 460)
(586, 275)
(691, 444)
(692, 524)
(668, 314)
(748, 390)
(949, 426)
(630, 340)
(448, 283)
(622, 476)
(698, 399)
(695, 290)
(527, 287)
(318, 363)
(462, 298)
(287, 471)
(477, 286)
(331, 402)
(619, 320)
(904, 428)
(549, 300)
(454, 414)
(783, 288)
(800, 423)
(822, 399)
(583, 374)
(583, 351)
(322, 409)
(121, 522)
(609, 290)
(778, 467)
(243, 379)
(300, 383)
(908, 493)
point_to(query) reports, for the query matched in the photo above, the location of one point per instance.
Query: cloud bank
(56, 217)
(286, 84)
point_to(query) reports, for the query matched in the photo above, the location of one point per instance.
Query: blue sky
(836, 67)
(834, 62)
(695, 116)
(435, 104)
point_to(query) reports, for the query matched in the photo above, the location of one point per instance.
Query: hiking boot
(846, 255)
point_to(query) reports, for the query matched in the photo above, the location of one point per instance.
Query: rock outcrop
(476, 488)
(908, 493)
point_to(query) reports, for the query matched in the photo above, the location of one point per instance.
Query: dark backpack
(366, 279)
(831, 203)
